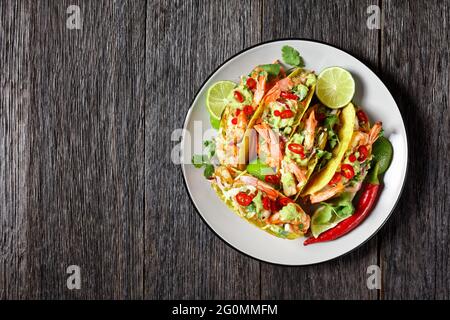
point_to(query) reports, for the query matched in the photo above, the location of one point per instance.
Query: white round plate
(371, 94)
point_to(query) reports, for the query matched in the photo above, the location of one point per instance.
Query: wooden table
(86, 177)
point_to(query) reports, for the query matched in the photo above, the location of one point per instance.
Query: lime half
(217, 97)
(335, 87)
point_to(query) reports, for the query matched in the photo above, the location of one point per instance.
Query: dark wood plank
(85, 180)
(14, 101)
(186, 41)
(415, 247)
(342, 24)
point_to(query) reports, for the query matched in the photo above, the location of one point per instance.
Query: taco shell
(321, 179)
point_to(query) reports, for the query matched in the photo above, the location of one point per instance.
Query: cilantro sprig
(292, 57)
(204, 160)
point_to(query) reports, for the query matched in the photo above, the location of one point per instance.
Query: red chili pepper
(286, 114)
(320, 116)
(273, 179)
(266, 203)
(234, 121)
(347, 171)
(362, 117)
(248, 110)
(277, 113)
(352, 158)
(284, 201)
(296, 148)
(243, 199)
(238, 96)
(275, 206)
(251, 83)
(288, 95)
(365, 204)
(336, 178)
(363, 153)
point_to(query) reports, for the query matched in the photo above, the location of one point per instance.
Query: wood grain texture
(186, 41)
(14, 101)
(86, 122)
(415, 247)
(342, 24)
(85, 180)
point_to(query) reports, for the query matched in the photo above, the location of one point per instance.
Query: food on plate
(260, 204)
(295, 156)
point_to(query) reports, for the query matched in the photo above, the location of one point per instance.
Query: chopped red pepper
(277, 113)
(273, 179)
(248, 110)
(288, 95)
(352, 158)
(284, 201)
(238, 112)
(286, 114)
(243, 199)
(362, 117)
(251, 83)
(347, 171)
(296, 148)
(234, 121)
(266, 203)
(336, 178)
(363, 153)
(238, 96)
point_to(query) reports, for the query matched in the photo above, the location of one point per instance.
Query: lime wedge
(335, 87)
(382, 153)
(217, 97)
(215, 123)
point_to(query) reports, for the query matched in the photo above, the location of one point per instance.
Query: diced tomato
(238, 112)
(288, 95)
(352, 158)
(243, 199)
(234, 121)
(347, 171)
(238, 96)
(363, 153)
(251, 83)
(273, 179)
(336, 178)
(277, 113)
(286, 114)
(248, 110)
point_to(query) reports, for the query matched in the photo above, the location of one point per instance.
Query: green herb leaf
(271, 69)
(209, 171)
(324, 154)
(330, 121)
(291, 56)
(197, 160)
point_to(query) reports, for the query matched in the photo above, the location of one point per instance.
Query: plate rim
(406, 140)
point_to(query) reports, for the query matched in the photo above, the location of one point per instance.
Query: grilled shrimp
(270, 147)
(327, 193)
(227, 152)
(310, 129)
(290, 166)
(262, 186)
(274, 93)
